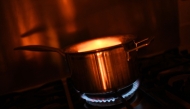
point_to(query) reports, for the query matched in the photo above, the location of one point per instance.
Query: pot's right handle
(139, 44)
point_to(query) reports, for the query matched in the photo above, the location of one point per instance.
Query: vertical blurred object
(59, 23)
(184, 17)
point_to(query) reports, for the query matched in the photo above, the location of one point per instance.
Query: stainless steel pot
(100, 65)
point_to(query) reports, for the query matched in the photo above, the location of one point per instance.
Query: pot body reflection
(103, 71)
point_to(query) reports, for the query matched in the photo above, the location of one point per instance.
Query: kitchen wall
(59, 23)
(184, 18)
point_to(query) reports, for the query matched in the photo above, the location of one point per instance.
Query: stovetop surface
(165, 83)
(53, 96)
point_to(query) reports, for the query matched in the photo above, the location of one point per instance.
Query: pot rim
(122, 38)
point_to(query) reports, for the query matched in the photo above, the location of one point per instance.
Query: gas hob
(165, 83)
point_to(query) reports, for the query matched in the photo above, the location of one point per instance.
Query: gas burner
(111, 98)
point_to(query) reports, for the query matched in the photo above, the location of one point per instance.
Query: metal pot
(100, 65)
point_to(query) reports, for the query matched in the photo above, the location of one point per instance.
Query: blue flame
(134, 88)
(112, 99)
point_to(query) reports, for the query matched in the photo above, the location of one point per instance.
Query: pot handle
(148, 41)
(40, 48)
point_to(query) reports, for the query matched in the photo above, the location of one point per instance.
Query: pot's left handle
(40, 48)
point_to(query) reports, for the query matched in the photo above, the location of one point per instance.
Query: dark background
(59, 23)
